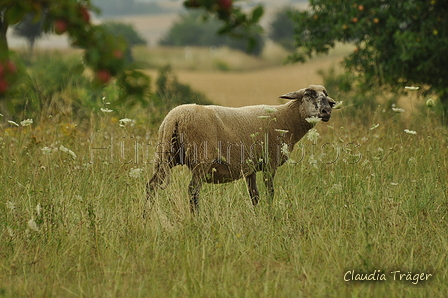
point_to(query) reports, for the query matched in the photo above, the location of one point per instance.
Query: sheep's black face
(318, 103)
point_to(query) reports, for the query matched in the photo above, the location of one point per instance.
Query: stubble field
(363, 201)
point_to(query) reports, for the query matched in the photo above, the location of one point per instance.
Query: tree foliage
(396, 43)
(72, 17)
(104, 53)
(192, 30)
(282, 29)
(237, 23)
(29, 28)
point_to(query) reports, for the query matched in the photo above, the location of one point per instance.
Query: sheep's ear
(294, 95)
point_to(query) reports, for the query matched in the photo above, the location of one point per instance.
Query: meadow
(367, 199)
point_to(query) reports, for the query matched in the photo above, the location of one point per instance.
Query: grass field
(360, 199)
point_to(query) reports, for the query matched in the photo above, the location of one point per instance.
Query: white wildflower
(264, 117)
(313, 120)
(398, 110)
(38, 209)
(270, 109)
(412, 161)
(430, 103)
(285, 150)
(32, 225)
(10, 205)
(411, 88)
(1, 115)
(282, 131)
(393, 184)
(335, 188)
(312, 161)
(13, 123)
(135, 172)
(338, 105)
(26, 122)
(106, 110)
(47, 150)
(411, 132)
(68, 151)
(124, 121)
(312, 135)
(374, 126)
(10, 232)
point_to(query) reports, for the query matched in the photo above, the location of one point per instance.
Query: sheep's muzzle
(325, 115)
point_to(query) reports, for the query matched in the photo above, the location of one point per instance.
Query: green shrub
(171, 93)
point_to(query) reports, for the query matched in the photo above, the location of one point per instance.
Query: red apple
(60, 26)
(11, 66)
(103, 76)
(355, 19)
(376, 20)
(3, 86)
(225, 4)
(85, 14)
(118, 54)
(361, 7)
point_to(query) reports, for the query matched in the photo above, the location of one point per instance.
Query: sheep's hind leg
(252, 186)
(159, 180)
(194, 188)
(268, 178)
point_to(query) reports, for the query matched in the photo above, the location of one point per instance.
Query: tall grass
(373, 200)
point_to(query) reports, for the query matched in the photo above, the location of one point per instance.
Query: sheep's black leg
(159, 178)
(194, 188)
(252, 186)
(268, 178)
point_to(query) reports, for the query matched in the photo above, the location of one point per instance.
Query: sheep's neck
(293, 119)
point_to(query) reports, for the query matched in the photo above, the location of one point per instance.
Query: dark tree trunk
(3, 41)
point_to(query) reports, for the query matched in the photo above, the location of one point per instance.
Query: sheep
(222, 144)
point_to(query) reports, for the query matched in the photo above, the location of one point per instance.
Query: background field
(363, 198)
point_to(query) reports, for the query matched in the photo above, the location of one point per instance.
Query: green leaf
(257, 13)
(15, 14)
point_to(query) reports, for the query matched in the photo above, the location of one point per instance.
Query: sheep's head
(315, 100)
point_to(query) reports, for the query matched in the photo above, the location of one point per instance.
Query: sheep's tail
(166, 155)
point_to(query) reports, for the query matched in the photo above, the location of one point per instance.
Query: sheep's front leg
(268, 178)
(252, 186)
(194, 188)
